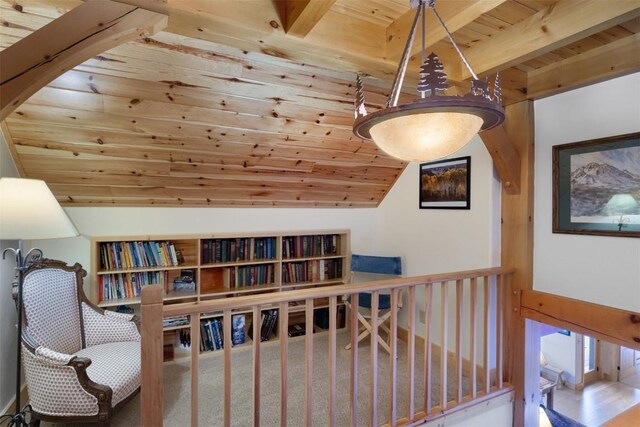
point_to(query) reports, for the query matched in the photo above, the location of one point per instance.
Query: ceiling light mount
(434, 125)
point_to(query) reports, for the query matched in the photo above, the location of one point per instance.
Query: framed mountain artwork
(596, 187)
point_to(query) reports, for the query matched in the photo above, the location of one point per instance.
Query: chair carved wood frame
(75, 374)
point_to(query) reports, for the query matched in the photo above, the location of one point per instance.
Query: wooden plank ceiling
(225, 108)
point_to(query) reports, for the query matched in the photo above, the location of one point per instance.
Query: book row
(251, 275)
(269, 321)
(212, 335)
(235, 250)
(128, 255)
(120, 286)
(310, 246)
(311, 271)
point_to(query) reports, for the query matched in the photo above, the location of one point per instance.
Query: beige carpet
(177, 386)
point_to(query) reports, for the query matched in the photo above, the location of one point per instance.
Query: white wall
(93, 222)
(602, 270)
(8, 313)
(439, 240)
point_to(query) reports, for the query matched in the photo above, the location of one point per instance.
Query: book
(237, 329)
(296, 330)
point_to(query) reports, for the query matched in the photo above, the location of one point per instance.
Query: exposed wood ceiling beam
(456, 14)
(505, 158)
(611, 60)
(85, 31)
(257, 27)
(302, 15)
(552, 27)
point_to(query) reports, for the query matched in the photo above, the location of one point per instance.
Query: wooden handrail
(267, 299)
(481, 295)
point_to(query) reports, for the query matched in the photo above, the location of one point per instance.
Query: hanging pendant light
(434, 125)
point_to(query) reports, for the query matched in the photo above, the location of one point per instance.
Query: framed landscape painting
(596, 187)
(446, 184)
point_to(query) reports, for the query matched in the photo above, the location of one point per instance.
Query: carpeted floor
(177, 386)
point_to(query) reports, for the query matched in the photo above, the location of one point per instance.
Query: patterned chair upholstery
(80, 362)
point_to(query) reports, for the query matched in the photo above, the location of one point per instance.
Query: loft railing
(471, 303)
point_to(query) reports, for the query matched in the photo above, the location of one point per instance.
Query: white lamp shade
(29, 211)
(621, 204)
(427, 136)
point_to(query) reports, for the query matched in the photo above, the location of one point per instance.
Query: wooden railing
(477, 297)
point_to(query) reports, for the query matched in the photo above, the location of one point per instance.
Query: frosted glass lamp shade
(427, 136)
(29, 211)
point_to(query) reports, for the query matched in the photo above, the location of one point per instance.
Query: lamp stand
(19, 417)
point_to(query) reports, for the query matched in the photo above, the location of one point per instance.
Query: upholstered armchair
(80, 362)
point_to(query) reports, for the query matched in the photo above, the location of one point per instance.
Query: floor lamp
(28, 211)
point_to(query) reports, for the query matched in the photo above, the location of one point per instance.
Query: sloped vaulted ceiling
(224, 108)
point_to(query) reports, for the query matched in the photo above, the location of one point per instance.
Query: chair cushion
(384, 301)
(116, 365)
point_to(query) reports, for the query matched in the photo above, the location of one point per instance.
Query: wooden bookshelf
(222, 265)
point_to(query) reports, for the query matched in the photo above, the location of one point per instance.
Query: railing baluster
(393, 354)
(473, 334)
(411, 352)
(284, 355)
(195, 371)
(152, 387)
(444, 332)
(487, 336)
(333, 304)
(153, 345)
(428, 294)
(353, 398)
(308, 363)
(373, 377)
(499, 329)
(226, 326)
(257, 314)
(459, 295)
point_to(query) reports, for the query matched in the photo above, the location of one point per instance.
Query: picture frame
(445, 184)
(596, 186)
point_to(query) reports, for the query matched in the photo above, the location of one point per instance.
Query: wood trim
(505, 158)
(333, 347)
(609, 324)
(436, 349)
(473, 335)
(458, 349)
(393, 362)
(302, 16)
(427, 345)
(308, 363)
(85, 31)
(226, 324)
(152, 386)
(195, 371)
(373, 374)
(257, 316)
(444, 335)
(411, 352)
(517, 251)
(324, 292)
(606, 62)
(284, 358)
(555, 26)
(353, 392)
(455, 14)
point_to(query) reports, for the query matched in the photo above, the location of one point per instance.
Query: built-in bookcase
(198, 268)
